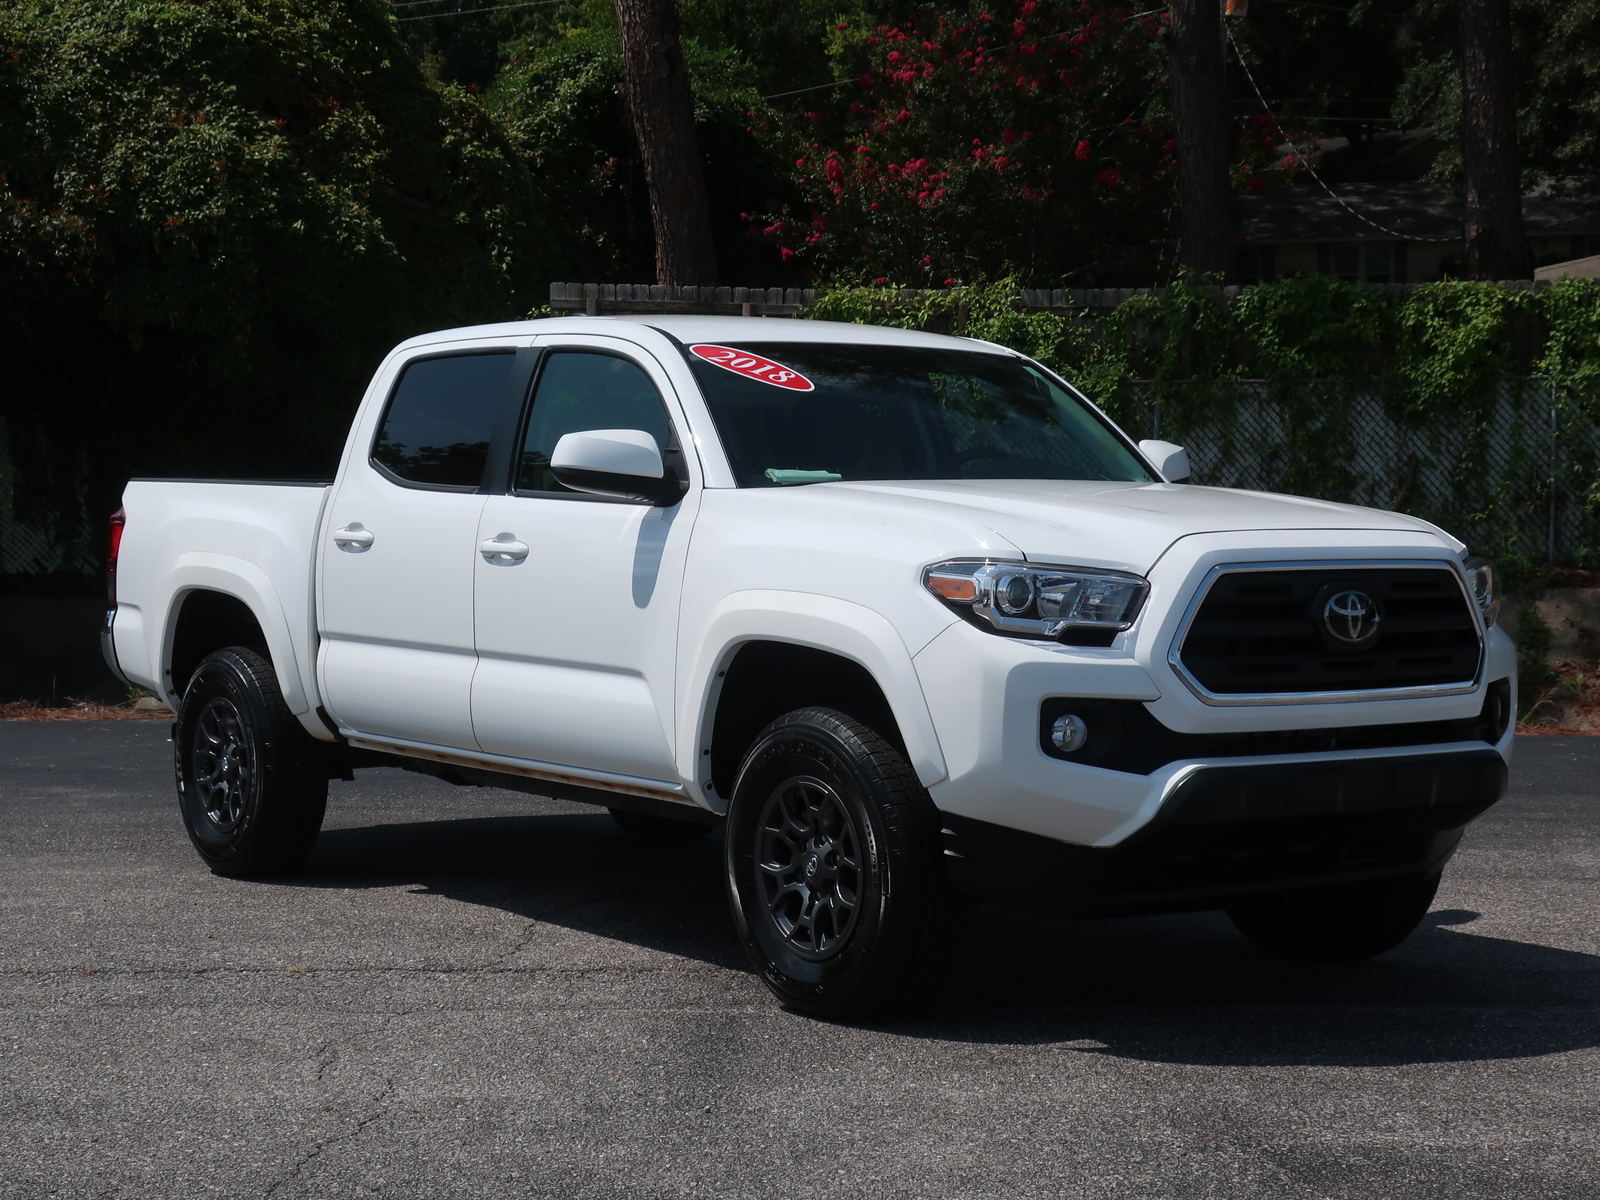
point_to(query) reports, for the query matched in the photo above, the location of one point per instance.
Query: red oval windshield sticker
(753, 366)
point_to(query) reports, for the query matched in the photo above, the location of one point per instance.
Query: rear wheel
(250, 783)
(835, 871)
(1337, 924)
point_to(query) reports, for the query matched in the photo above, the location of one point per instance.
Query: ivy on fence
(1473, 405)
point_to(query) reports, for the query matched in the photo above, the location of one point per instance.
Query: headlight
(1485, 589)
(1038, 601)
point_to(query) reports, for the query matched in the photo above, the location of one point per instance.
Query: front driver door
(577, 621)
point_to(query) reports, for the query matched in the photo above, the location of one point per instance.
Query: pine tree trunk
(1496, 247)
(656, 83)
(1200, 114)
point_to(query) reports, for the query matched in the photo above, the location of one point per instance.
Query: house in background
(1390, 229)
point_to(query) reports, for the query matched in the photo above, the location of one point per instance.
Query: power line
(1404, 237)
(813, 88)
(471, 12)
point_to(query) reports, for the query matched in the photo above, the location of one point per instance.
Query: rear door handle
(353, 536)
(503, 548)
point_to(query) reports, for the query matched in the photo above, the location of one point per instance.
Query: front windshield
(899, 412)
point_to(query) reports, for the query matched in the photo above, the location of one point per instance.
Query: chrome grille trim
(1243, 699)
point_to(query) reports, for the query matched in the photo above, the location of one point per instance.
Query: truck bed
(251, 539)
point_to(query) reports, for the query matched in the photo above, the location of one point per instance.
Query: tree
(216, 217)
(656, 84)
(1200, 116)
(1495, 245)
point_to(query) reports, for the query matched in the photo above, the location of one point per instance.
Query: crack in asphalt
(317, 1150)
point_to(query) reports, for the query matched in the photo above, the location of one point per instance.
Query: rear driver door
(396, 563)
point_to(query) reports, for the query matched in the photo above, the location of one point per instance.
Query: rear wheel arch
(206, 620)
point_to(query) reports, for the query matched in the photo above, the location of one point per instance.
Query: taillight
(113, 548)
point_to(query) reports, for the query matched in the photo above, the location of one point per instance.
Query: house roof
(1406, 212)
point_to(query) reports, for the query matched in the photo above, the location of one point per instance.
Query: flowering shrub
(1031, 139)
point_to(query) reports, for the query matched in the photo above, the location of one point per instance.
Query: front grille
(1263, 632)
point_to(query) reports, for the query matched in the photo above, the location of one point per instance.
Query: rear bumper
(1228, 831)
(108, 647)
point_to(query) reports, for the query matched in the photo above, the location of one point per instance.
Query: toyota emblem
(1351, 617)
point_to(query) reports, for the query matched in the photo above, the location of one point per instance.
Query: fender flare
(824, 623)
(202, 571)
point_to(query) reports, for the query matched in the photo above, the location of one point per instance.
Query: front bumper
(986, 695)
(1230, 831)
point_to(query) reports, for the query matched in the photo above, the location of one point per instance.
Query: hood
(1127, 526)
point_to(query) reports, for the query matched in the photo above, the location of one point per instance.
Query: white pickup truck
(904, 615)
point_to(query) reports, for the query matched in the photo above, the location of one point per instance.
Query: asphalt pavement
(476, 993)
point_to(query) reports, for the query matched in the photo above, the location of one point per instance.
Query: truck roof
(715, 329)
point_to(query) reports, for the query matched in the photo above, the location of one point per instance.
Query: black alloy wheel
(252, 784)
(835, 869)
(808, 866)
(222, 764)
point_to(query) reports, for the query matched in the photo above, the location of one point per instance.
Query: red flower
(1009, 136)
(785, 253)
(1082, 152)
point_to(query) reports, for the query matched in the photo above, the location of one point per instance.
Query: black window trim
(522, 369)
(674, 458)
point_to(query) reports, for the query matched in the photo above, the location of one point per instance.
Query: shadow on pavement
(1176, 989)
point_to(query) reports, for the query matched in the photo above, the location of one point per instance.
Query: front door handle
(503, 548)
(353, 536)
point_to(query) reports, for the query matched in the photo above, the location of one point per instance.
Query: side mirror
(625, 463)
(1171, 462)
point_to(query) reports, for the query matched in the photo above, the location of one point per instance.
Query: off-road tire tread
(914, 851)
(293, 766)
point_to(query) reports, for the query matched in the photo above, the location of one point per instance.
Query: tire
(250, 784)
(822, 797)
(1338, 924)
(649, 827)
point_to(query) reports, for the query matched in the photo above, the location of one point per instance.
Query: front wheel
(249, 784)
(1336, 924)
(834, 865)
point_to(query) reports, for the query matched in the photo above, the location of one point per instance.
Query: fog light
(1069, 733)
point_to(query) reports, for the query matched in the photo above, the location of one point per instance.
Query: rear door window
(440, 419)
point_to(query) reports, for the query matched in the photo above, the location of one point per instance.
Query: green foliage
(1418, 400)
(1534, 676)
(215, 216)
(1455, 343)
(560, 102)
(1031, 139)
(1558, 84)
